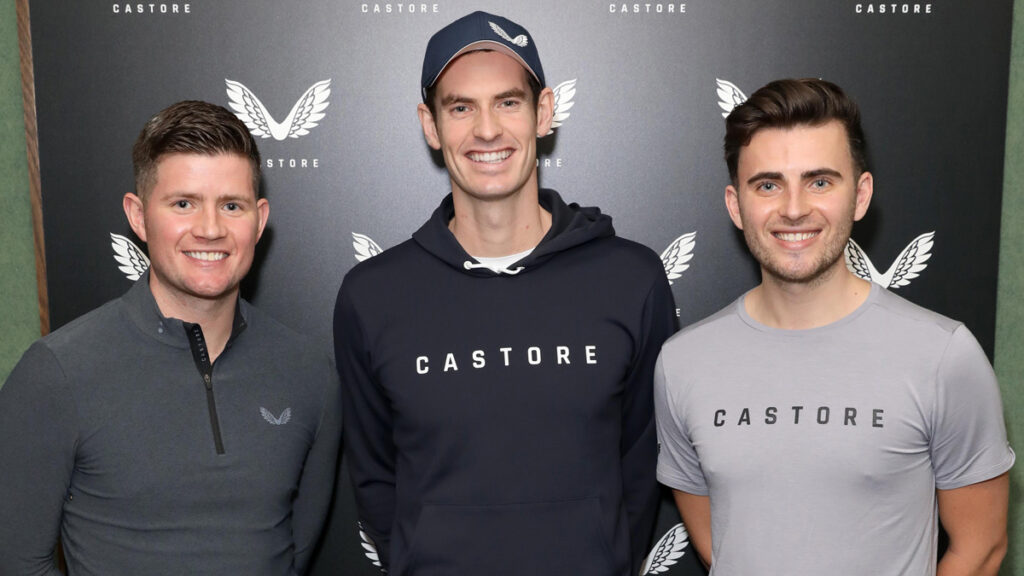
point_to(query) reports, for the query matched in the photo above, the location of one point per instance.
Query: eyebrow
(219, 198)
(457, 98)
(804, 176)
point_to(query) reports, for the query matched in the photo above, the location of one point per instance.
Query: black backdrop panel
(642, 138)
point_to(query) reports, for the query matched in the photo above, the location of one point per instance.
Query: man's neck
(500, 227)
(800, 306)
(216, 316)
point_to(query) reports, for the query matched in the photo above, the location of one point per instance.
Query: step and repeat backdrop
(641, 91)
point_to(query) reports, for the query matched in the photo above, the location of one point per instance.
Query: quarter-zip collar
(143, 311)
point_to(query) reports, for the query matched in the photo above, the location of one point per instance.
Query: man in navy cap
(497, 368)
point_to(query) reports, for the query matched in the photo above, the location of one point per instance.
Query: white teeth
(208, 256)
(794, 236)
(490, 157)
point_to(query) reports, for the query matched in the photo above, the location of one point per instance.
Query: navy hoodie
(502, 423)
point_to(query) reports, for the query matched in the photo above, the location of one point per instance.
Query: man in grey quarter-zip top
(176, 429)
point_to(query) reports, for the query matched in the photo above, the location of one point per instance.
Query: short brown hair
(793, 102)
(191, 127)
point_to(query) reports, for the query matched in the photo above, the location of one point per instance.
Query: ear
(732, 204)
(545, 111)
(429, 126)
(262, 212)
(135, 211)
(865, 189)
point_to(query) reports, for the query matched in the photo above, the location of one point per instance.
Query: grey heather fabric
(105, 436)
(821, 449)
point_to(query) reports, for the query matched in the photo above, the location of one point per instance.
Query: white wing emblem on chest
(276, 420)
(564, 93)
(676, 258)
(908, 265)
(306, 113)
(364, 246)
(520, 40)
(729, 96)
(667, 551)
(133, 261)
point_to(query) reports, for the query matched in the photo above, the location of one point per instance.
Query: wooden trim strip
(28, 96)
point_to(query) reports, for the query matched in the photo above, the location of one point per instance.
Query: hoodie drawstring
(470, 265)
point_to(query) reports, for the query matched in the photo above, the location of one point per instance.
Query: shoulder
(898, 312)
(388, 264)
(89, 329)
(707, 332)
(266, 336)
(626, 259)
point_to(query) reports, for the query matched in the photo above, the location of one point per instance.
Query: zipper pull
(208, 381)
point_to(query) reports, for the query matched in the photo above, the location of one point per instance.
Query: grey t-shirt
(821, 449)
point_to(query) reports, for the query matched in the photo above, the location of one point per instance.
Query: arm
(970, 457)
(37, 449)
(367, 429)
(309, 510)
(975, 519)
(639, 436)
(696, 513)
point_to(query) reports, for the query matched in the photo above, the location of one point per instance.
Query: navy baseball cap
(479, 31)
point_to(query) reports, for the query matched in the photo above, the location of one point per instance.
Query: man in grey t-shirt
(820, 424)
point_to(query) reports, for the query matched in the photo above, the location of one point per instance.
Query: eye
(460, 109)
(768, 186)
(820, 183)
(510, 103)
(182, 204)
(232, 206)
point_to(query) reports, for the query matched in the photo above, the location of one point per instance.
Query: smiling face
(201, 221)
(486, 125)
(796, 198)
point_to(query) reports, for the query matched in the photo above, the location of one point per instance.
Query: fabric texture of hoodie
(502, 422)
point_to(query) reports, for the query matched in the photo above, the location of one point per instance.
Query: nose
(487, 126)
(208, 224)
(795, 205)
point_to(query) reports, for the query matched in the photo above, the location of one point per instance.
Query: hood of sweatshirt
(571, 225)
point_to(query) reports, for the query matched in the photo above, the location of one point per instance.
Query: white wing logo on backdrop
(520, 40)
(908, 265)
(729, 96)
(133, 261)
(564, 93)
(668, 550)
(677, 256)
(365, 247)
(304, 115)
(369, 546)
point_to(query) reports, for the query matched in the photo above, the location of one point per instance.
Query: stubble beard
(774, 269)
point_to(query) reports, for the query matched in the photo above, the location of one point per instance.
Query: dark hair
(191, 127)
(429, 95)
(793, 102)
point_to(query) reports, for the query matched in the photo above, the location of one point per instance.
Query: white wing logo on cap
(564, 94)
(306, 113)
(364, 246)
(520, 40)
(908, 265)
(669, 549)
(676, 258)
(729, 96)
(133, 261)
